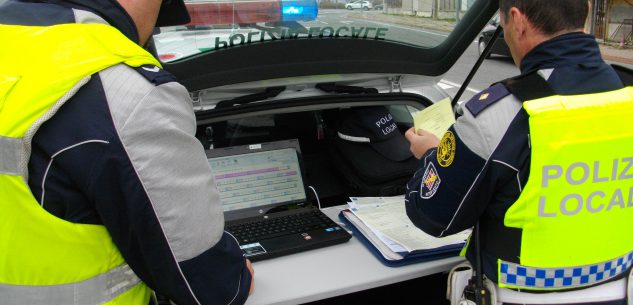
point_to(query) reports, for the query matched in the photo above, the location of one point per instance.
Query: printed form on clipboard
(382, 224)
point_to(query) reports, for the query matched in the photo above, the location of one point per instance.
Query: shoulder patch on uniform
(155, 75)
(486, 98)
(430, 182)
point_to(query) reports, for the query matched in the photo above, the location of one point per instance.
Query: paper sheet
(365, 203)
(389, 218)
(359, 202)
(383, 248)
(436, 118)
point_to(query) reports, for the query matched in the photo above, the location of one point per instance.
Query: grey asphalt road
(492, 70)
(410, 34)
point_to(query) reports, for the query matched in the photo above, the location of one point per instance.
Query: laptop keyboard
(280, 226)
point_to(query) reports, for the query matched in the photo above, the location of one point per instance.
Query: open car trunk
(261, 71)
(335, 168)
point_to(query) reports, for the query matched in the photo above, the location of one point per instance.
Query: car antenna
(480, 60)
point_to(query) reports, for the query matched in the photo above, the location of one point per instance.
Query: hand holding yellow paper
(435, 119)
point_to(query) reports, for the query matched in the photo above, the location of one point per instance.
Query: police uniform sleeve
(158, 199)
(454, 182)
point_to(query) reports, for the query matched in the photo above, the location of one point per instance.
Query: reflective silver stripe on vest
(97, 290)
(10, 151)
(611, 291)
(518, 276)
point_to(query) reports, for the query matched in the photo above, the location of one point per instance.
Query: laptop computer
(265, 201)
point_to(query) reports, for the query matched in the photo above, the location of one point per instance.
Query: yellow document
(436, 118)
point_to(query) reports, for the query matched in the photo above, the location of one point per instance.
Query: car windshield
(222, 24)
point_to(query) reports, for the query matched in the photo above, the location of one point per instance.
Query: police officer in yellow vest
(105, 192)
(547, 176)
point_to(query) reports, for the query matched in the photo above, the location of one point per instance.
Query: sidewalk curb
(619, 59)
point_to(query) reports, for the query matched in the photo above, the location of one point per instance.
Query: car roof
(283, 58)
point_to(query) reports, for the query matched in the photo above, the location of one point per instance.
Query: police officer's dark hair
(550, 16)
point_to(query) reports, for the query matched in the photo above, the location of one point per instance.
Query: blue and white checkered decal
(517, 276)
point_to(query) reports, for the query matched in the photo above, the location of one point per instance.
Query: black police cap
(375, 127)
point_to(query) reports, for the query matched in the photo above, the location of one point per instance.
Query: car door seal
(333, 87)
(255, 97)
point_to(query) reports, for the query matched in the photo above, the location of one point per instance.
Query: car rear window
(221, 24)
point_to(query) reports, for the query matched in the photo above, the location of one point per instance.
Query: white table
(331, 271)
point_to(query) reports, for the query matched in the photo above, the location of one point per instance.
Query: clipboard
(388, 257)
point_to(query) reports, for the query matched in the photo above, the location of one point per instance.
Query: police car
(273, 70)
(267, 70)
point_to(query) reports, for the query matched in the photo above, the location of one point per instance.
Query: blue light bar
(299, 10)
(292, 10)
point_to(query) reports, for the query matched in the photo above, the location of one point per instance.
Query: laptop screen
(257, 176)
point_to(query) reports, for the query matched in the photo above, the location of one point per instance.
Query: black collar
(563, 50)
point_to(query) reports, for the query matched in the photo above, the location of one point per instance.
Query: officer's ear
(517, 21)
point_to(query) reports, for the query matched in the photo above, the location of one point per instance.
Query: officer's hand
(250, 268)
(421, 141)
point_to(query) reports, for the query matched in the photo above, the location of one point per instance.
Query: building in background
(612, 21)
(436, 9)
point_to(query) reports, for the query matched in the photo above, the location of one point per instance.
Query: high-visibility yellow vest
(576, 209)
(44, 259)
